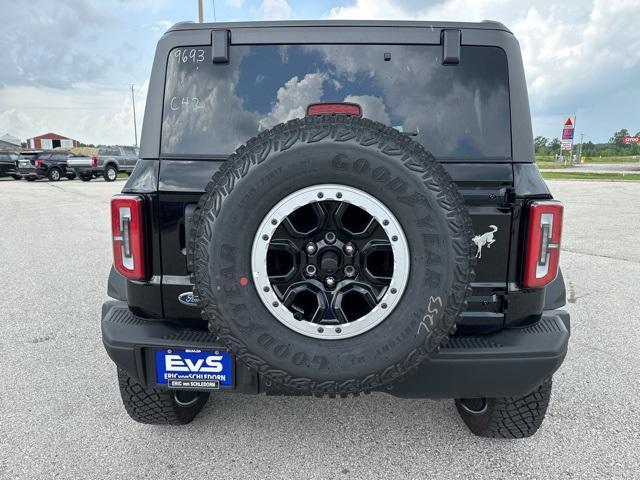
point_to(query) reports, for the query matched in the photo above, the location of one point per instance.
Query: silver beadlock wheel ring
(386, 293)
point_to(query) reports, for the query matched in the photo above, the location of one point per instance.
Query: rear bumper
(512, 362)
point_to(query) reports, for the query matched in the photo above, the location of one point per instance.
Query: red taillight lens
(94, 162)
(543, 243)
(127, 225)
(39, 162)
(334, 109)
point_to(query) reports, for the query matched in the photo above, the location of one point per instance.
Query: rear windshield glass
(455, 111)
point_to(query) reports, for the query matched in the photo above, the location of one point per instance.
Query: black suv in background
(52, 164)
(337, 208)
(9, 165)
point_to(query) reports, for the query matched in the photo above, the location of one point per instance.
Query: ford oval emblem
(188, 298)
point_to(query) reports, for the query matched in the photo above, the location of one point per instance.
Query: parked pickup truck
(385, 231)
(109, 161)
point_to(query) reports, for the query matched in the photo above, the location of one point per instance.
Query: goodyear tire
(351, 165)
(506, 417)
(159, 407)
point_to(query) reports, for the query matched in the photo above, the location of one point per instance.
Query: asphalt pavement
(61, 415)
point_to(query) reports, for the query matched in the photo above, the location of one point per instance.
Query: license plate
(194, 369)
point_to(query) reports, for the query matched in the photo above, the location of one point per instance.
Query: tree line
(613, 148)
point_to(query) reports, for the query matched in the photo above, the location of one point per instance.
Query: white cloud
(577, 54)
(372, 107)
(158, 25)
(86, 114)
(293, 98)
(275, 10)
(234, 3)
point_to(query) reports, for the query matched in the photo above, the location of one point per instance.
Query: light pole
(199, 11)
(580, 148)
(135, 126)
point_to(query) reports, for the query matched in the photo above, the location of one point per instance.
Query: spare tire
(332, 254)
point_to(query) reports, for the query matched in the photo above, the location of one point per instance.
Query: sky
(68, 65)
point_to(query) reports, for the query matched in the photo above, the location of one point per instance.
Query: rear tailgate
(486, 189)
(79, 162)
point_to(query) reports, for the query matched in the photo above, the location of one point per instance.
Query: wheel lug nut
(310, 270)
(330, 237)
(311, 248)
(349, 271)
(349, 249)
(330, 282)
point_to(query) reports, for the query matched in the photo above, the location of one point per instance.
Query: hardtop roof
(483, 25)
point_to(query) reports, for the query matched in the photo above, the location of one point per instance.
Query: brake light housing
(94, 161)
(544, 233)
(339, 108)
(127, 227)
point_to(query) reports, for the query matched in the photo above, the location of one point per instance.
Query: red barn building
(51, 140)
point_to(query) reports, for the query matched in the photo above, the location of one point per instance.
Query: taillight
(543, 243)
(94, 162)
(127, 225)
(39, 162)
(334, 109)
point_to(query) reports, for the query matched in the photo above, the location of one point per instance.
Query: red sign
(568, 123)
(631, 139)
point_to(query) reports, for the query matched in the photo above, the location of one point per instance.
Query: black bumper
(512, 362)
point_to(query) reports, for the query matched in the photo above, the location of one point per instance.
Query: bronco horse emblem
(485, 239)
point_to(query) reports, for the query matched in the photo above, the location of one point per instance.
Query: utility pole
(199, 11)
(135, 126)
(580, 148)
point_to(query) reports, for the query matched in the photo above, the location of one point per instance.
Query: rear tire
(71, 176)
(54, 174)
(507, 417)
(86, 178)
(159, 407)
(17, 177)
(110, 173)
(31, 179)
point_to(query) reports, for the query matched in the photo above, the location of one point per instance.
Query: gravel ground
(62, 416)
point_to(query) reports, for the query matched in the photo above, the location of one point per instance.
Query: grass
(549, 162)
(627, 177)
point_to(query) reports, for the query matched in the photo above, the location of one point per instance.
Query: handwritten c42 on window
(186, 103)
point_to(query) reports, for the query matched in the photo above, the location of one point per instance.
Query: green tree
(554, 146)
(618, 136)
(540, 142)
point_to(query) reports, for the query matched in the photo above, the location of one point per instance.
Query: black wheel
(71, 176)
(156, 406)
(332, 254)
(86, 178)
(110, 173)
(509, 417)
(54, 174)
(31, 179)
(17, 177)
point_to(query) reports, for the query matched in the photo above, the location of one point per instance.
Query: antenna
(214, 10)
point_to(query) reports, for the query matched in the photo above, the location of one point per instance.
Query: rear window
(455, 111)
(110, 151)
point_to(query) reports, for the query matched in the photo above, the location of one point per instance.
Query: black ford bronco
(337, 208)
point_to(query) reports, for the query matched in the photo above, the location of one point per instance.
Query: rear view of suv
(9, 165)
(337, 208)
